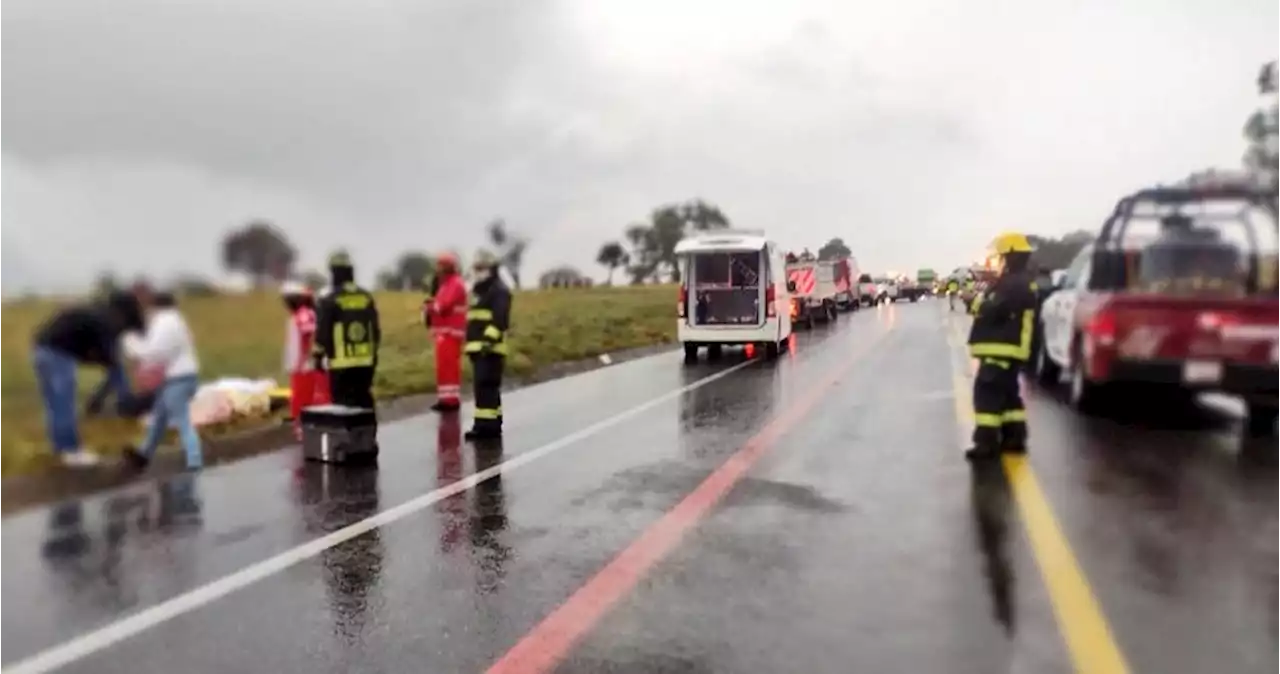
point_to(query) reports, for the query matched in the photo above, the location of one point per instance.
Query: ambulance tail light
(771, 302)
(682, 302)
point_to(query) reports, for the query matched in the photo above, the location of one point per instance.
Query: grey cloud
(137, 131)
(380, 104)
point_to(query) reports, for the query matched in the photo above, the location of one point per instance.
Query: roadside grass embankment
(243, 336)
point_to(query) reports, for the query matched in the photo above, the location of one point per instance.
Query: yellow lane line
(1084, 628)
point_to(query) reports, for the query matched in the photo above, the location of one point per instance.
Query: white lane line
(109, 635)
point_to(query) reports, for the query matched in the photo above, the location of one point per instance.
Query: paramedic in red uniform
(307, 385)
(445, 313)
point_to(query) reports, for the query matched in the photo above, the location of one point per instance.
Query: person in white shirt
(168, 346)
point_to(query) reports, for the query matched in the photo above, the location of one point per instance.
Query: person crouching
(307, 383)
(167, 353)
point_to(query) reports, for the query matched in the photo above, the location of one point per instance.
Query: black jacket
(1004, 324)
(90, 334)
(348, 328)
(488, 317)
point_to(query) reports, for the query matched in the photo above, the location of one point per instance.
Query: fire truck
(816, 290)
(848, 292)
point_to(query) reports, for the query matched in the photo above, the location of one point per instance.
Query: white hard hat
(292, 288)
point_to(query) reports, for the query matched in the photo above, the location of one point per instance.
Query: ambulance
(733, 291)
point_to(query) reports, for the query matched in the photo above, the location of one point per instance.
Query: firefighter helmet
(340, 259)
(485, 260)
(1011, 242)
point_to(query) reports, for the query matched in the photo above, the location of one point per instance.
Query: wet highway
(808, 515)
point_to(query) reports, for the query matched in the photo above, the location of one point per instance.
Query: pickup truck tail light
(683, 301)
(1213, 321)
(770, 302)
(1102, 326)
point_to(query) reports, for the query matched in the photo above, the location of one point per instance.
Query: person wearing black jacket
(1000, 339)
(81, 335)
(348, 334)
(488, 319)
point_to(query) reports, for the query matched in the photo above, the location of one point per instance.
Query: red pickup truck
(1179, 291)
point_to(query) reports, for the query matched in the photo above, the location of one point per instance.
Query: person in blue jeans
(81, 335)
(168, 345)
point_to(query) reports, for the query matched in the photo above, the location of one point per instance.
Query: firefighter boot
(483, 433)
(978, 453)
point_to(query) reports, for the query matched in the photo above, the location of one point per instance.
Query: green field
(242, 335)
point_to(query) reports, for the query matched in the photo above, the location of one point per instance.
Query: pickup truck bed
(1188, 344)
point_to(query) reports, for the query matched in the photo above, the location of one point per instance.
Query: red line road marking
(547, 644)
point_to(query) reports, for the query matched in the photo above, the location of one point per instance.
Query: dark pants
(487, 369)
(1000, 420)
(352, 387)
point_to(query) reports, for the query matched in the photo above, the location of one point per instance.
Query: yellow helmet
(1011, 242)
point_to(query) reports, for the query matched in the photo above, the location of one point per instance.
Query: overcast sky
(138, 131)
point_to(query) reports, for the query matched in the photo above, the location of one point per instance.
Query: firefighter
(1003, 327)
(348, 334)
(953, 288)
(445, 314)
(970, 289)
(307, 385)
(487, 321)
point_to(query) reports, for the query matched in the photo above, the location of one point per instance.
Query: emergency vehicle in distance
(1177, 292)
(886, 289)
(733, 291)
(867, 290)
(848, 292)
(815, 290)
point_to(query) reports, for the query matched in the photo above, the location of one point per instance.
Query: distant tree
(701, 216)
(1051, 253)
(509, 247)
(190, 285)
(668, 225)
(1262, 134)
(389, 279)
(644, 252)
(834, 250)
(259, 250)
(415, 270)
(653, 243)
(563, 276)
(612, 255)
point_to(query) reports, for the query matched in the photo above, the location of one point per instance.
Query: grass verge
(243, 335)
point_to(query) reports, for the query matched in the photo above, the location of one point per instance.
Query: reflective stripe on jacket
(1004, 319)
(488, 317)
(348, 331)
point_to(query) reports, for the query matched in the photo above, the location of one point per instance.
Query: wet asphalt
(860, 541)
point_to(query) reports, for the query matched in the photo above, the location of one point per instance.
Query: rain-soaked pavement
(851, 537)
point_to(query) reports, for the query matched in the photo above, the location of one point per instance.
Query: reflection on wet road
(812, 514)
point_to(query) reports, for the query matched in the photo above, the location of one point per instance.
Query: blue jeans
(173, 407)
(117, 383)
(56, 375)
